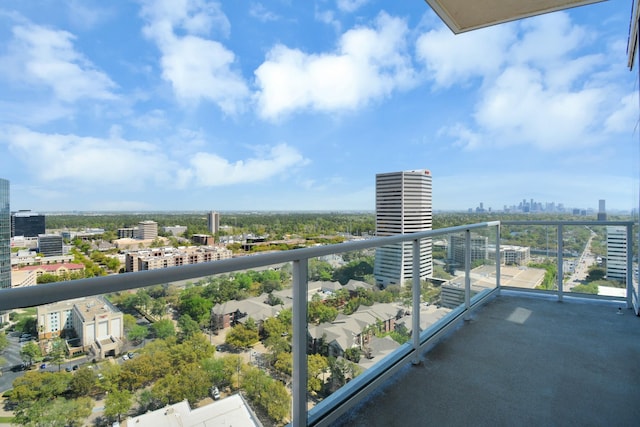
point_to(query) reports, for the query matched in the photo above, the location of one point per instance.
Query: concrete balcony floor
(522, 361)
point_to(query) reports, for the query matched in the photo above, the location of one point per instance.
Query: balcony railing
(328, 410)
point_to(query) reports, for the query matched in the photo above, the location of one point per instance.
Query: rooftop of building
(230, 411)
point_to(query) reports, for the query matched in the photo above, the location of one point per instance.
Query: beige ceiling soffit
(632, 43)
(467, 15)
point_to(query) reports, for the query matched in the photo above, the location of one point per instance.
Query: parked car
(125, 357)
(68, 369)
(130, 354)
(43, 366)
(215, 393)
(75, 367)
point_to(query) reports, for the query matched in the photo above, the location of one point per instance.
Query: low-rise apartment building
(156, 258)
(55, 269)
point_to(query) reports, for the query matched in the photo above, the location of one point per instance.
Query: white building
(97, 324)
(617, 253)
(511, 254)
(403, 205)
(147, 230)
(232, 411)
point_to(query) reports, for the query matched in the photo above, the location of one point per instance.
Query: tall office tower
(403, 205)
(147, 230)
(602, 213)
(617, 253)
(26, 223)
(213, 222)
(5, 236)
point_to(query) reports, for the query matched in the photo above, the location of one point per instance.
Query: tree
(83, 382)
(188, 326)
(54, 412)
(4, 341)
(197, 307)
(241, 336)
(118, 402)
(30, 351)
(316, 366)
(129, 321)
(163, 329)
(58, 352)
(596, 273)
(137, 333)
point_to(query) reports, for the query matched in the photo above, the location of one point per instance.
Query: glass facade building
(5, 235)
(27, 224)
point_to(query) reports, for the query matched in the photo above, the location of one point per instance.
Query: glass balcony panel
(207, 337)
(528, 257)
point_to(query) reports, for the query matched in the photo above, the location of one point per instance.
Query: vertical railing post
(467, 273)
(299, 343)
(560, 261)
(498, 258)
(629, 266)
(416, 301)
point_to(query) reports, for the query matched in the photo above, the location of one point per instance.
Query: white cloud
(520, 108)
(211, 170)
(196, 17)
(261, 13)
(547, 40)
(86, 16)
(98, 163)
(370, 63)
(454, 59)
(626, 117)
(197, 68)
(350, 5)
(537, 87)
(44, 57)
(88, 161)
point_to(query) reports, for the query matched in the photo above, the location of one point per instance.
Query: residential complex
(153, 259)
(617, 253)
(5, 235)
(28, 224)
(90, 324)
(403, 205)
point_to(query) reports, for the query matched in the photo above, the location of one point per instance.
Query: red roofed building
(55, 269)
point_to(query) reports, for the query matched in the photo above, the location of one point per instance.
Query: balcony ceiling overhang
(467, 15)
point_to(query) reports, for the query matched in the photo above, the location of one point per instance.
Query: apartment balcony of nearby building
(499, 352)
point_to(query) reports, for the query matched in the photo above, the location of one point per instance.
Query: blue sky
(296, 105)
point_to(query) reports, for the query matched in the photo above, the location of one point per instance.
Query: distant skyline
(285, 106)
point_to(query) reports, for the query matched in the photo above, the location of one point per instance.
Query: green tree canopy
(241, 336)
(30, 352)
(163, 329)
(118, 403)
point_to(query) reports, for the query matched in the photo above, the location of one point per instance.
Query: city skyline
(138, 106)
